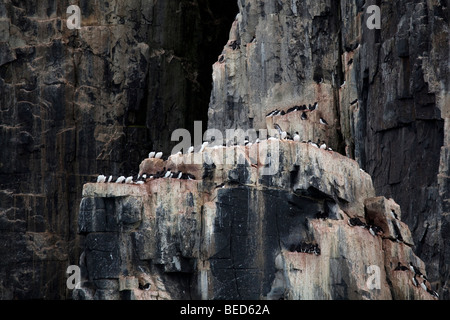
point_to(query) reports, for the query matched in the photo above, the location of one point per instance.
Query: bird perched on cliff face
(151, 154)
(158, 155)
(190, 150)
(304, 116)
(129, 180)
(314, 106)
(352, 222)
(433, 293)
(416, 271)
(121, 179)
(101, 178)
(393, 214)
(296, 137)
(401, 267)
(202, 148)
(424, 285)
(414, 281)
(322, 121)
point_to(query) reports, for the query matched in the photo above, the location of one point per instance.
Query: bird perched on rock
(145, 286)
(424, 285)
(101, 178)
(414, 281)
(129, 180)
(433, 293)
(401, 267)
(282, 134)
(352, 222)
(202, 148)
(152, 154)
(304, 116)
(416, 270)
(121, 179)
(168, 174)
(314, 106)
(322, 121)
(191, 149)
(158, 155)
(393, 214)
(296, 137)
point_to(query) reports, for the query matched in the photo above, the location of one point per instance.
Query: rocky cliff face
(390, 114)
(236, 233)
(76, 103)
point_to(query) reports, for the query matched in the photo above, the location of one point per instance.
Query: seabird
(433, 293)
(322, 121)
(203, 146)
(151, 154)
(353, 102)
(304, 116)
(342, 85)
(110, 179)
(159, 155)
(145, 287)
(414, 280)
(323, 146)
(140, 182)
(272, 113)
(352, 222)
(167, 175)
(129, 180)
(292, 109)
(312, 108)
(180, 174)
(313, 144)
(121, 179)
(400, 267)
(424, 285)
(393, 214)
(416, 270)
(190, 150)
(296, 137)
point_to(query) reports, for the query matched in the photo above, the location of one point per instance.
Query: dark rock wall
(403, 86)
(76, 103)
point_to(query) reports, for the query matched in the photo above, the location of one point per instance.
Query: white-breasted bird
(121, 179)
(296, 137)
(159, 155)
(167, 175)
(152, 154)
(101, 178)
(129, 180)
(191, 149)
(203, 146)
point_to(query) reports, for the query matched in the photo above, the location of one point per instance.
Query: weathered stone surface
(75, 103)
(234, 230)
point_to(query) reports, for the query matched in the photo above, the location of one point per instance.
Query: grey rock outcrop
(235, 232)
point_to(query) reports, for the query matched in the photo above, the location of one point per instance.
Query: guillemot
(159, 155)
(101, 178)
(322, 121)
(151, 154)
(401, 267)
(304, 116)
